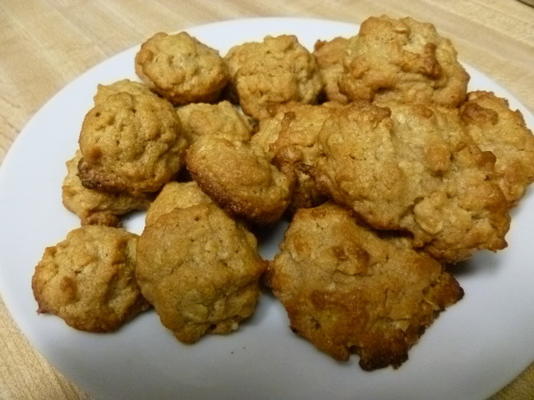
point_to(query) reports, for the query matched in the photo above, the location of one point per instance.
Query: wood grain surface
(44, 44)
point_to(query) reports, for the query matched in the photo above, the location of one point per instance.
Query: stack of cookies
(388, 170)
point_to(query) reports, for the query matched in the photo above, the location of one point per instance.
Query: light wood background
(44, 44)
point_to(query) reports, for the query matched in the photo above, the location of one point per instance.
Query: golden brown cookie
(200, 270)
(496, 128)
(181, 68)
(297, 150)
(94, 207)
(275, 71)
(289, 139)
(348, 290)
(330, 55)
(131, 141)
(402, 60)
(240, 178)
(414, 168)
(175, 195)
(122, 86)
(221, 120)
(88, 279)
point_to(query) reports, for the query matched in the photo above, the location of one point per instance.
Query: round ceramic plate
(472, 350)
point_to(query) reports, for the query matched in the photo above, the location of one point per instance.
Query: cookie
(402, 60)
(272, 72)
(88, 279)
(200, 270)
(348, 290)
(414, 168)
(131, 141)
(221, 120)
(175, 195)
(240, 178)
(181, 68)
(496, 128)
(133, 88)
(94, 207)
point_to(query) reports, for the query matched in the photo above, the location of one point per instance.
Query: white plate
(472, 350)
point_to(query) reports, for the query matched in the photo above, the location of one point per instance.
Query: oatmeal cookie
(348, 290)
(275, 71)
(181, 69)
(133, 88)
(414, 168)
(200, 270)
(130, 141)
(94, 207)
(402, 60)
(88, 279)
(175, 195)
(240, 178)
(221, 120)
(496, 128)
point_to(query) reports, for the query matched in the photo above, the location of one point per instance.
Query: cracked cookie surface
(221, 120)
(181, 68)
(414, 168)
(88, 279)
(200, 270)
(239, 176)
(402, 60)
(272, 72)
(175, 195)
(96, 207)
(348, 290)
(131, 141)
(330, 55)
(495, 127)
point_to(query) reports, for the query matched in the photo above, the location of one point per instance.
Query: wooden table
(44, 44)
